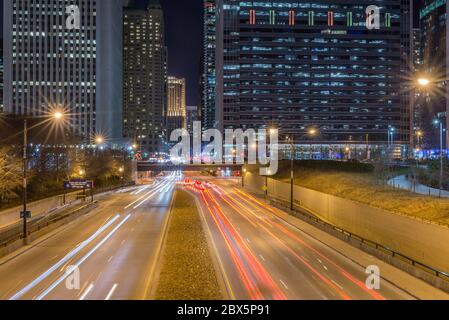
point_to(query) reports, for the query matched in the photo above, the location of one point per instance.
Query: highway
(262, 257)
(113, 248)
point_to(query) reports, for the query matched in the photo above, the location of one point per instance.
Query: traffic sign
(26, 214)
(78, 184)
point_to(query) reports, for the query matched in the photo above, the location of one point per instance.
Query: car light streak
(242, 254)
(244, 196)
(61, 262)
(83, 259)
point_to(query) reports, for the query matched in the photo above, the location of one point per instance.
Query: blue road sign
(78, 184)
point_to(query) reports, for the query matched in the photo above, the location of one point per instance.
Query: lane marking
(261, 256)
(111, 292)
(282, 282)
(63, 261)
(83, 259)
(89, 289)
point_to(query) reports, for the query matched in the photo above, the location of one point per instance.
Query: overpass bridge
(143, 166)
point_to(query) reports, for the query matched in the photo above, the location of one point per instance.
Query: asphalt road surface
(262, 257)
(112, 249)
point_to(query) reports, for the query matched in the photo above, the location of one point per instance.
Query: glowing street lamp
(25, 214)
(423, 82)
(58, 115)
(99, 140)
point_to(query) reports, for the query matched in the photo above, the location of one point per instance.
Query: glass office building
(315, 65)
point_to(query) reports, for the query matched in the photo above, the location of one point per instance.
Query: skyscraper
(144, 75)
(192, 114)
(433, 15)
(208, 112)
(176, 108)
(315, 65)
(50, 63)
(420, 95)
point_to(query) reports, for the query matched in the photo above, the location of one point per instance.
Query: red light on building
(291, 18)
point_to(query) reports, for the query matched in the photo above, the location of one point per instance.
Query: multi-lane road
(263, 257)
(112, 249)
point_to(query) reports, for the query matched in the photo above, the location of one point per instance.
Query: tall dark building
(302, 65)
(145, 75)
(209, 112)
(2, 105)
(50, 65)
(433, 15)
(420, 95)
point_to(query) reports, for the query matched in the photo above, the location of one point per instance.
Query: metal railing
(14, 232)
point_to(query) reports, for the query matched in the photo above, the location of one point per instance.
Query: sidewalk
(402, 182)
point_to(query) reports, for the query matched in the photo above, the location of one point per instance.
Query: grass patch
(362, 184)
(187, 271)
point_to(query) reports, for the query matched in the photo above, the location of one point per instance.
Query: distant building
(144, 72)
(420, 95)
(176, 107)
(193, 114)
(51, 64)
(209, 112)
(309, 65)
(433, 17)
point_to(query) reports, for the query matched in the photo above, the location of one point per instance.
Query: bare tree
(10, 174)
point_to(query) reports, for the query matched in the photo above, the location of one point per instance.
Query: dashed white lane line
(261, 257)
(282, 282)
(111, 292)
(337, 284)
(88, 290)
(110, 259)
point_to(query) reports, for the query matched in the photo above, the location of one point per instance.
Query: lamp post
(292, 171)
(440, 124)
(243, 177)
(25, 214)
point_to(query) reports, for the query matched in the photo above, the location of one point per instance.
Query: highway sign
(78, 184)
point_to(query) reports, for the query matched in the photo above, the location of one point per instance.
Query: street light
(292, 172)
(440, 123)
(25, 214)
(99, 140)
(423, 82)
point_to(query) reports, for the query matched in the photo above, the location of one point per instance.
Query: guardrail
(15, 232)
(438, 273)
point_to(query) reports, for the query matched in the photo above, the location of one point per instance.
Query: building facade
(192, 115)
(208, 112)
(309, 65)
(145, 70)
(419, 95)
(176, 107)
(435, 45)
(50, 62)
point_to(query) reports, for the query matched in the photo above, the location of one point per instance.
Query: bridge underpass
(143, 167)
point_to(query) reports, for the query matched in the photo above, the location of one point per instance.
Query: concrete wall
(421, 241)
